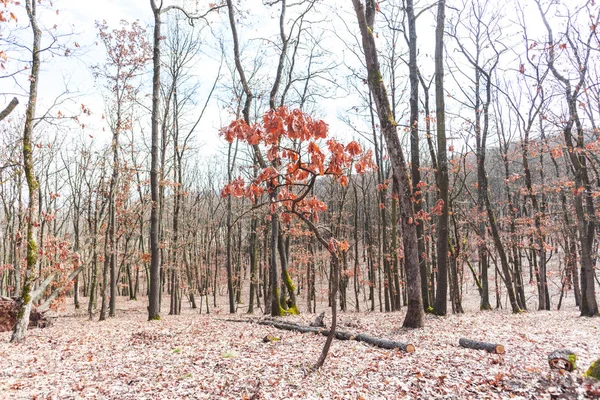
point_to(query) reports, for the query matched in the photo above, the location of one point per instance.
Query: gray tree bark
(366, 16)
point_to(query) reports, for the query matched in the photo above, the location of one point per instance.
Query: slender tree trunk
(266, 272)
(394, 256)
(20, 328)
(94, 278)
(384, 250)
(356, 253)
(273, 275)
(455, 294)
(112, 221)
(310, 279)
(154, 295)
(538, 236)
(105, 279)
(228, 265)
(427, 289)
(572, 263)
(285, 276)
(276, 310)
(519, 288)
(414, 145)
(483, 182)
(583, 201)
(335, 262)
(130, 282)
(76, 251)
(253, 248)
(177, 194)
(440, 305)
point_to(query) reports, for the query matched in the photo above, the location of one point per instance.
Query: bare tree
(366, 16)
(158, 9)
(442, 165)
(28, 295)
(583, 201)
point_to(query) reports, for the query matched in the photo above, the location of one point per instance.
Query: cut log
(340, 335)
(477, 345)
(385, 343)
(9, 308)
(563, 359)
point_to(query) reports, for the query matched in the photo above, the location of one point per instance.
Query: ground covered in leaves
(203, 356)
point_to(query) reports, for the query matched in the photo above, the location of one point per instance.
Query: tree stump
(594, 370)
(271, 338)
(318, 322)
(477, 345)
(562, 359)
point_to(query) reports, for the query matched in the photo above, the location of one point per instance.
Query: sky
(79, 17)
(74, 73)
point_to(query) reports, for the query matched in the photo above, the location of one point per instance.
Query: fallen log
(562, 359)
(340, 335)
(477, 345)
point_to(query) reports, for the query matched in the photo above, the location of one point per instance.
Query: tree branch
(46, 305)
(191, 18)
(11, 106)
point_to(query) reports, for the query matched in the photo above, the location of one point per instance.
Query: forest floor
(203, 356)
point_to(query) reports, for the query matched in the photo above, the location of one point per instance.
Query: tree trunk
(112, 220)
(20, 328)
(276, 309)
(415, 315)
(440, 305)
(154, 293)
(253, 248)
(335, 262)
(356, 253)
(105, 279)
(538, 236)
(397, 299)
(285, 276)
(94, 278)
(414, 145)
(228, 266)
(583, 200)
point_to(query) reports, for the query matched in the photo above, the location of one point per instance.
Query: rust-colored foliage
(293, 143)
(5, 14)
(127, 52)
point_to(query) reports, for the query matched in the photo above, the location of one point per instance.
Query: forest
(272, 199)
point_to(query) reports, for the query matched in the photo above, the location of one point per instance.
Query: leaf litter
(205, 357)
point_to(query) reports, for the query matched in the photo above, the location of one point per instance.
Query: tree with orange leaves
(293, 143)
